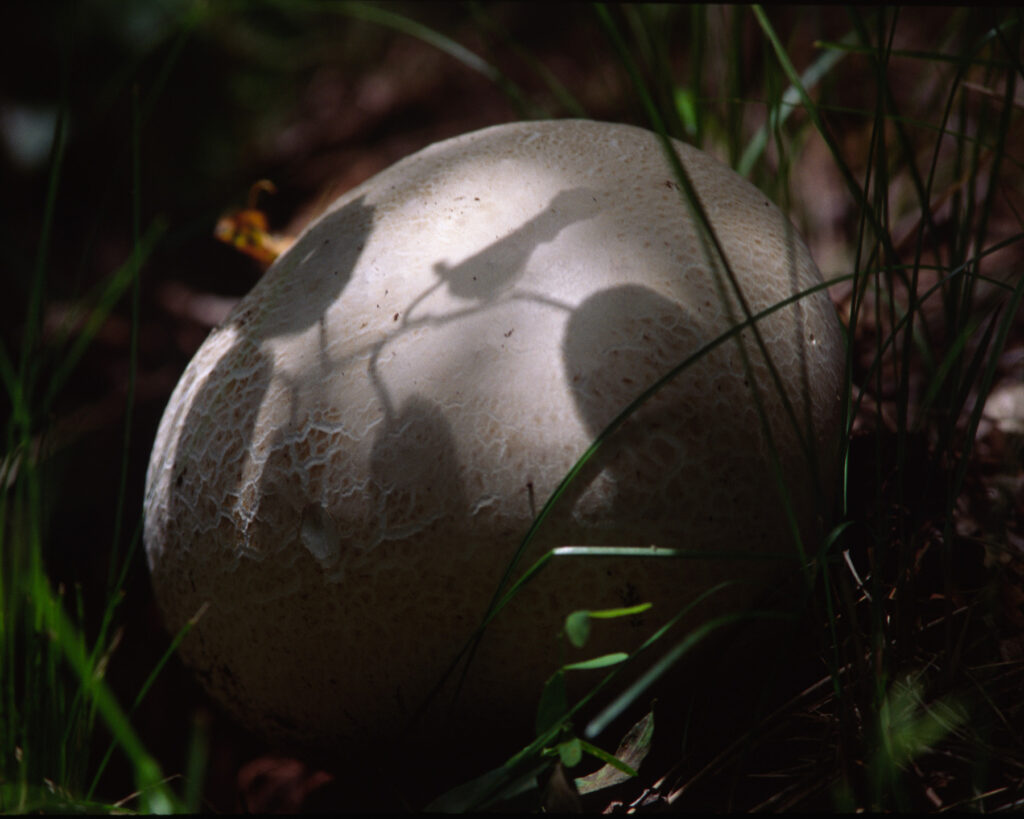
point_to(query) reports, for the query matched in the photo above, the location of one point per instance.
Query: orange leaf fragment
(247, 229)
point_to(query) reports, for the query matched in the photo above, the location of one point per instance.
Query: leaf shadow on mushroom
(483, 280)
(662, 448)
(221, 481)
(646, 484)
(496, 267)
(416, 497)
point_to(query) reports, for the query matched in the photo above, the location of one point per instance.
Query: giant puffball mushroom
(351, 460)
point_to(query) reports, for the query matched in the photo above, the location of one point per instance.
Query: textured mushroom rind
(350, 461)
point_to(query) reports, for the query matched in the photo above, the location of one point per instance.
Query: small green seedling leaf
(577, 624)
(554, 703)
(603, 661)
(577, 627)
(687, 108)
(632, 751)
(571, 752)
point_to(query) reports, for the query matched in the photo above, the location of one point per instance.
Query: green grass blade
(146, 686)
(791, 98)
(104, 302)
(812, 111)
(154, 794)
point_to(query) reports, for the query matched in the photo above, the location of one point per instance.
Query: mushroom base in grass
(352, 459)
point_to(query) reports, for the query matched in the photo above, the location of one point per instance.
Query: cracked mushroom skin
(351, 460)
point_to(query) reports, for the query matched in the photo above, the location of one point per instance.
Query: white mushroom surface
(351, 460)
